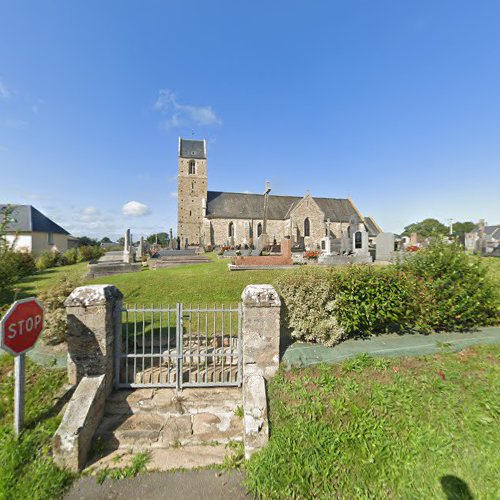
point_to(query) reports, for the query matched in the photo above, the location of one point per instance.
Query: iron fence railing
(178, 346)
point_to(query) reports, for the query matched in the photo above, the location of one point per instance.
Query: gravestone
(384, 249)
(128, 256)
(326, 245)
(360, 243)
(171, 243)
(140, 248)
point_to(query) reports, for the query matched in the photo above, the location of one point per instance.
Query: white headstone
(384, 249)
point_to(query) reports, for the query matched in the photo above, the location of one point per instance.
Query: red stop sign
(21, 326)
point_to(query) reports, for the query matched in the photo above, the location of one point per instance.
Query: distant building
(33, 232)
(220, 218)
(484, 239)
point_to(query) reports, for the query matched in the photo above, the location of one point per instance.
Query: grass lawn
(197, 284)
(26, 468)
(425, 427)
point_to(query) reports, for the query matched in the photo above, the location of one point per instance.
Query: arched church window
(192, 167)
(307, 227)
(231, 230)
(259, 229)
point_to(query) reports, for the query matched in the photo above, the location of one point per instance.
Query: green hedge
(440, 288)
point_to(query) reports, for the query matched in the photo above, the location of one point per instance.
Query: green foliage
(459, 293)
(26, 467)
(309, 297)
(426, 228)
(85, 241)
(438, 289)
(89, 253)
(55, 320)
(160, 238)
(13, 265)
(70, 256)
(48, 259)
(460, 228)
(328, 305)
(138, 465)
(383, 429)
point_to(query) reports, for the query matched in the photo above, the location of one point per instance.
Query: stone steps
(147, 419)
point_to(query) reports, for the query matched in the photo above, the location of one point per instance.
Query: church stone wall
(219, 230)
(192, 194)
(307, 208)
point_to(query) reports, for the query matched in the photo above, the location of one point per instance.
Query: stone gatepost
(94, 315)
(261, 351)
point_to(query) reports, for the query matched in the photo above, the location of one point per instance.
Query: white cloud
(173, 194)
(135, 209)
(4, 91)
(183, 114)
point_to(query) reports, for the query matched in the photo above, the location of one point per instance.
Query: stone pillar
(94, 318)
(261, 350)
(261, 330)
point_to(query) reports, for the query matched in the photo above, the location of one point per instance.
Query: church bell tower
(191, 190)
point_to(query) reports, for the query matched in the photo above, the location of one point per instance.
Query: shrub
(70, 256)
(328, 305)
(436, 289)
(48, 259)
(89, 253)
(460, 293)
(14, 266)
(309, 299)
(53, 298)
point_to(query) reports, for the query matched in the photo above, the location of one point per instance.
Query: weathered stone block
(176, 430)
(261, 329)
(256, 429)
(94, 314)
(73, 438)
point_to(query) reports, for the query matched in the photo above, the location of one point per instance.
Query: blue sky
(395, 103)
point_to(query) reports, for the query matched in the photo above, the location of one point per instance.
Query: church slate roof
(251, 206)
(371, 226)
(192, 149)
(27, 219)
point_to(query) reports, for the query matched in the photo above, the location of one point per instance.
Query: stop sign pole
(20, 329)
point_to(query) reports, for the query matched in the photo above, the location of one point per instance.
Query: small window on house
(230, 231)
(307, 228)
(51, 238)
(192, 186)
(192, 167)
(190, 213)
(259, 229)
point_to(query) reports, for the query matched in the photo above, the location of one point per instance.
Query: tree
(121, 241)
(460, 228)
(426, 228)
(85, 241)
(106, 240)
(163, 238)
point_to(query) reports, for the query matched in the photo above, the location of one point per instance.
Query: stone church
(217, 218)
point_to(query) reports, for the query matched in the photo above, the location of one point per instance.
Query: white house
(33, 232)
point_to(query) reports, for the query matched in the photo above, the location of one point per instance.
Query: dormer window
(192, 167)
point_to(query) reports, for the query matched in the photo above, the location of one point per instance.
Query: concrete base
(343, 260)
(233, 267)
(110, 268)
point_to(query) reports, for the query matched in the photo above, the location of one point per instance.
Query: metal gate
(178, 346)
